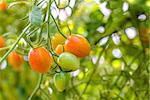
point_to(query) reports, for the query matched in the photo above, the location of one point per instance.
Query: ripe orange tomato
(15, 60)
(59, 49)
(40, 60)
(57, 39)
(78, 45)
(2, 42)
(3, 5)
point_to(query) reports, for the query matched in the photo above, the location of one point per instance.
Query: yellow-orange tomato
(77, 45)
(3, 5)
(57, 39)
(59, 49)
(2, 42)
(15, 60)
(40, 60)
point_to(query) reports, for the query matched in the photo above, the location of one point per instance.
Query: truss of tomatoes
(68, 50)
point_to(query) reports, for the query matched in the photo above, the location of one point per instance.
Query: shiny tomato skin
(2, 42)
(3, 5)
(68, 61)
(59, 49)
(77, 45)
(56, 40)
(15, 60)
(40, 60)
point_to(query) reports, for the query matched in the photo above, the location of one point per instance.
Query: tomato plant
(77, 45)
(40, 60)
(74, 49)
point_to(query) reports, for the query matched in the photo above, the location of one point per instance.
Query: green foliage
(106, 74)
(35, 16)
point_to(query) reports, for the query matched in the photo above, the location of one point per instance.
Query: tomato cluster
(68, 52)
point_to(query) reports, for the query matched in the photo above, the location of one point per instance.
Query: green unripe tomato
(68, 62)
(60, 81)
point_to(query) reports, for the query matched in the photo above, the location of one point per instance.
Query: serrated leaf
(35, 17)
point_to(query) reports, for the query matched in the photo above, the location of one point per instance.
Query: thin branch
(96, 65)
(37, 87)
(58, 27)
(14, 45)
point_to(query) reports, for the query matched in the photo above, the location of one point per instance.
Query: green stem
(96, 65)
(37, 87)
(14, 45)
(4, 48)
(48, 24)
(58, 27)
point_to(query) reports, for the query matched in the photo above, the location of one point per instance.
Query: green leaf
(35, 17)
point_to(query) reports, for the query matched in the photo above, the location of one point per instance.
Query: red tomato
(40, 60)
(15, 60)
(78, 45)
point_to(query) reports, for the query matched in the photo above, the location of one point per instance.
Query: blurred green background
(120, 46)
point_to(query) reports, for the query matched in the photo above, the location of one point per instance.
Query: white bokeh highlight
(125, 6)
(142, 17)
(50, 90)
(116, 38)
(75, 73)
(131, 32)
(3, 65)
(106, 12)
(62, 14)
(103, 40)
(101, 29)
(117, 53)
(101, 60)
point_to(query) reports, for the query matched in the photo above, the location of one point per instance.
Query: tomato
(40, 60)
(2, 42)
(57, 39)
(68, 62)
(78, 45)
(15, 60)
(60, 81)
(59, 49)
(3, 5)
